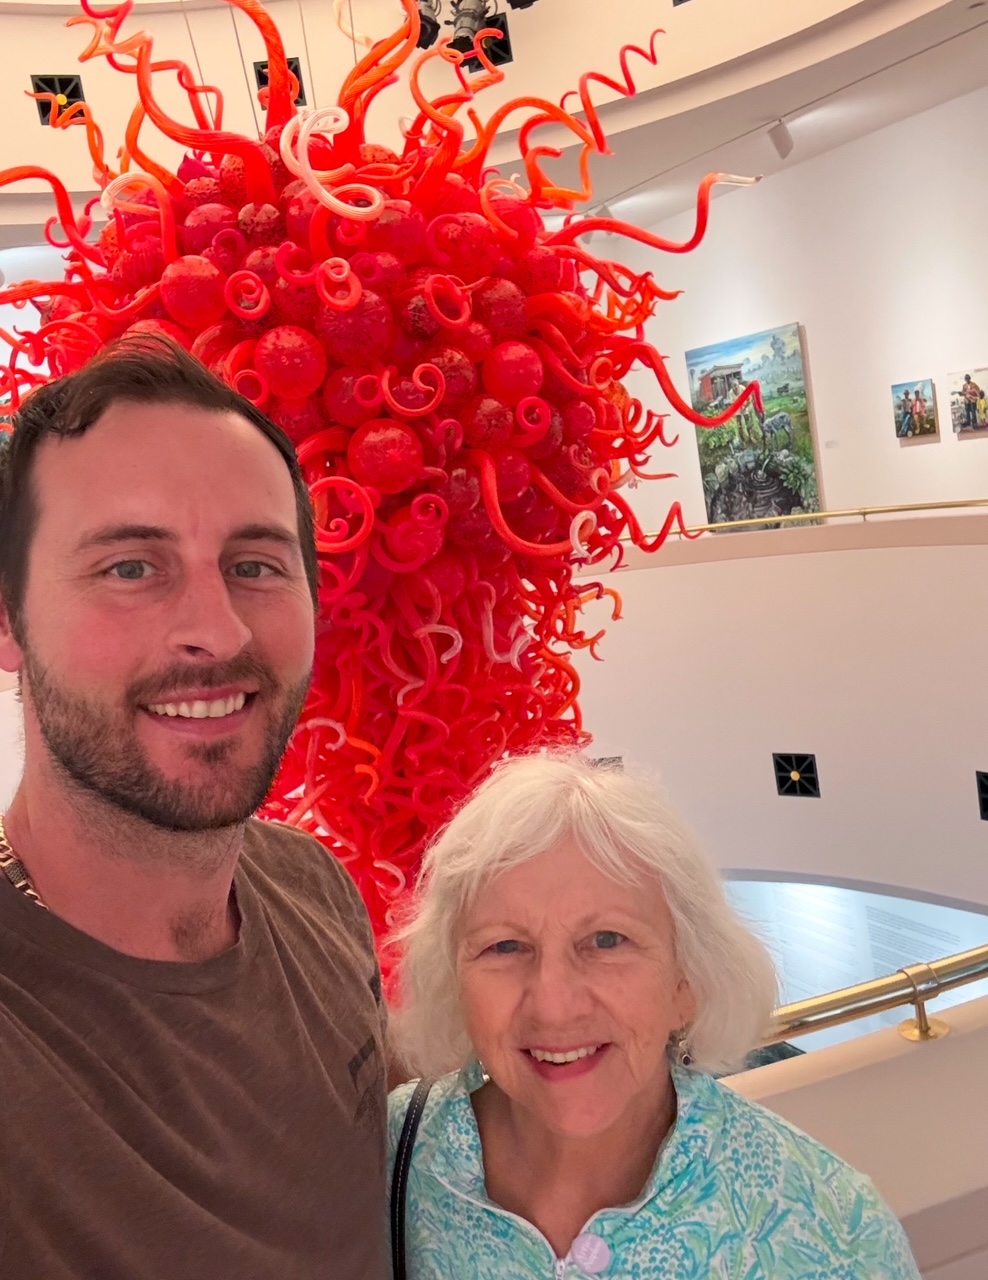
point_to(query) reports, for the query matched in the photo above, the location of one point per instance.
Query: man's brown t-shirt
(215, 1121)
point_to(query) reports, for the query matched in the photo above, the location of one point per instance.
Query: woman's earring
(684, 1056)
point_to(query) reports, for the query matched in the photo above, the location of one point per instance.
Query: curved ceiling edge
(857, 27)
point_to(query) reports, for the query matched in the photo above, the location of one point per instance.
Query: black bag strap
(399, 1176)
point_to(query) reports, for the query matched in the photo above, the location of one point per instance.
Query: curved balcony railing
(849, 513)
(915, 985)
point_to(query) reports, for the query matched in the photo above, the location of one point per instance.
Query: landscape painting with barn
(758, 465)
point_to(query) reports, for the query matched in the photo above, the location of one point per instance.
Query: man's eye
(507, 947)
(607, 939)
(131, 570)
(252, 569)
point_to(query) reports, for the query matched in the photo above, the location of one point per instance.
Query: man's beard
(101, 753)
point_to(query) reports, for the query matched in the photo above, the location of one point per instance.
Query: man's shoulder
(274, 845)
(284, 861)
(265, 839)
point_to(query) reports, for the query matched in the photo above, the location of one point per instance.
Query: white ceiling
(656, 167)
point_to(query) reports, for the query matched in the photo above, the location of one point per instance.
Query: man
(190, 1009)
(745, 418)
(971, 393)
(906, 414)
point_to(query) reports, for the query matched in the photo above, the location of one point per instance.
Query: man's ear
(11, 653)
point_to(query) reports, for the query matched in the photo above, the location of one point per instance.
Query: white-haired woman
(573, 962)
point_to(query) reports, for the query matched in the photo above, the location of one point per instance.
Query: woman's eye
(607, 939)
(252, 569)
(508, 947)
(131, 570)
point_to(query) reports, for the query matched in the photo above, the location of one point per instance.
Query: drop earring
(684, 1055)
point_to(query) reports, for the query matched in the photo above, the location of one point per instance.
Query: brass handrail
(808, 517)
(914, 985)
(812, 517)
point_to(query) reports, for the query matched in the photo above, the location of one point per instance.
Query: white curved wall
(870, 658)
(38, 262)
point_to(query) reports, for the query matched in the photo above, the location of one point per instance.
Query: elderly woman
(573, 962)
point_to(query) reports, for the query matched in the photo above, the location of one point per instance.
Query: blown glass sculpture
(449, 369)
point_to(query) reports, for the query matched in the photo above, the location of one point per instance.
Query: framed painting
(756, 466)
(969, 402)
(914, 408)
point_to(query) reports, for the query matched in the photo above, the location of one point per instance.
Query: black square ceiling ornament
(983, 795)
(294, 66)
(67, 90)
(796, 775)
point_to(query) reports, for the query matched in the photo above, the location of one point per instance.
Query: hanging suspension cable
(210, 104)
(308, 61)
(353, 33)
(243, 63)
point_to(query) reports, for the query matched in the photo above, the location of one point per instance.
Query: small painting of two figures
(915, 407)
(758, 465)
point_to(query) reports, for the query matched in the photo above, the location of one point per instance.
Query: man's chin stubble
(107, 762)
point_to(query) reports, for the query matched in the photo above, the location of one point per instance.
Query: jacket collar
(451, 1149)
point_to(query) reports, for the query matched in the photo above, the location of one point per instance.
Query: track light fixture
(469, 17)
(429, 11)
(781, 139)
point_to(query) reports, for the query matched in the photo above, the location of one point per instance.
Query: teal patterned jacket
(736, 1194)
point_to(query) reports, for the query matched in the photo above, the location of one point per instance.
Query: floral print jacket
(736, 1194)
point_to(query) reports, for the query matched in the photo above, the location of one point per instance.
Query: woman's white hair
(625, 827)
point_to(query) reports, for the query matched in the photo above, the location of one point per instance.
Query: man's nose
(205, 623)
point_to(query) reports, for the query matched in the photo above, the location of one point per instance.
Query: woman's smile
(561, 1065)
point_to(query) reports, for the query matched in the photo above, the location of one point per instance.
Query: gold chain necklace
(14, 869)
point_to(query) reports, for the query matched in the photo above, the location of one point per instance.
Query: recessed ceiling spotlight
(781, 139)
(469, 17)
(520, 4)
